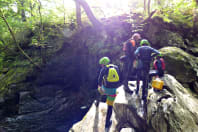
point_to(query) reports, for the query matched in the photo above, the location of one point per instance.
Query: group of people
(138, 55)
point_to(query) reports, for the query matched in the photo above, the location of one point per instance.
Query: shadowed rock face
(170, 110)
(161, 34)
(182, 65)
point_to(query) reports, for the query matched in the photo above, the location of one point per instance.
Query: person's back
(108, 82)
(144, 53)
(109, 76)
(159, 65)
(129, 48)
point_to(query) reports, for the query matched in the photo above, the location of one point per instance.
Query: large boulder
(167, 38)
(194, 51)
(160, 34)
(180, 64)
(12, 81)
(172, 109)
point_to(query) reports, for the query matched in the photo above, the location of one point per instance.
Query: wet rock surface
(172, 109)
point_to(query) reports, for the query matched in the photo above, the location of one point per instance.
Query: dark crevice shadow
(96, 120)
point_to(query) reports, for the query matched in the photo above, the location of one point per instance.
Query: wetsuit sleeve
(100, 78)
(156, 52)
(137, 51)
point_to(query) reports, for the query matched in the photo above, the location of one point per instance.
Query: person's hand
(100, 90)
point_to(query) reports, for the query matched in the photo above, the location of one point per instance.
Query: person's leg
(145, 81)
(151, 76)
(146, 87)
(130, 67)
(143, 88)
(138, 81)
(110, 101)
(108, 116)
(160, 73)
(126, 73)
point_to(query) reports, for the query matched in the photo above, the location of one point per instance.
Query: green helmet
(144, 41)
(159, 56)
(104, 60)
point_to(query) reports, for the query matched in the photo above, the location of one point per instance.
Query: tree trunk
(149, 17)
(22, 10)
(41, 38)
(158, 2)
(89, 13)
(78, 14)
(64, 19)
(149, 5)
(31, 9)
(144, 6)
(41, 21)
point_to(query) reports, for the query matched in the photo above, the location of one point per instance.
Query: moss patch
(180, 64)
(15, 75)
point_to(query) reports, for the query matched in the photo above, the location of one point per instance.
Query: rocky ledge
(174, 109)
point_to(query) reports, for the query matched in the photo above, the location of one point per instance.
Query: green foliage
(53, 12)
(180, 12)
(13, 76)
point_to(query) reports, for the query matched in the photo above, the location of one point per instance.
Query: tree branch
(17, 44)
(149, 17)
(89, 13)
(78, 14)
(5, 47)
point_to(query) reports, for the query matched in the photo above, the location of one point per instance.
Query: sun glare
(111, 7)
(106, 7)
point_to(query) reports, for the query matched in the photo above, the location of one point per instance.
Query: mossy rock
(166, 38)
(193, 51)
(15, 76)
(180, 64)
(159, 34)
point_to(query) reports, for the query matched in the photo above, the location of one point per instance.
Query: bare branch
(17, 44)
(89, 13)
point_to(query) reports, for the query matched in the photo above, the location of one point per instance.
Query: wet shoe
(96, 102)
(149, 86)
(107, 129)
(107, 126)
(144, 100)
(128, 91)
